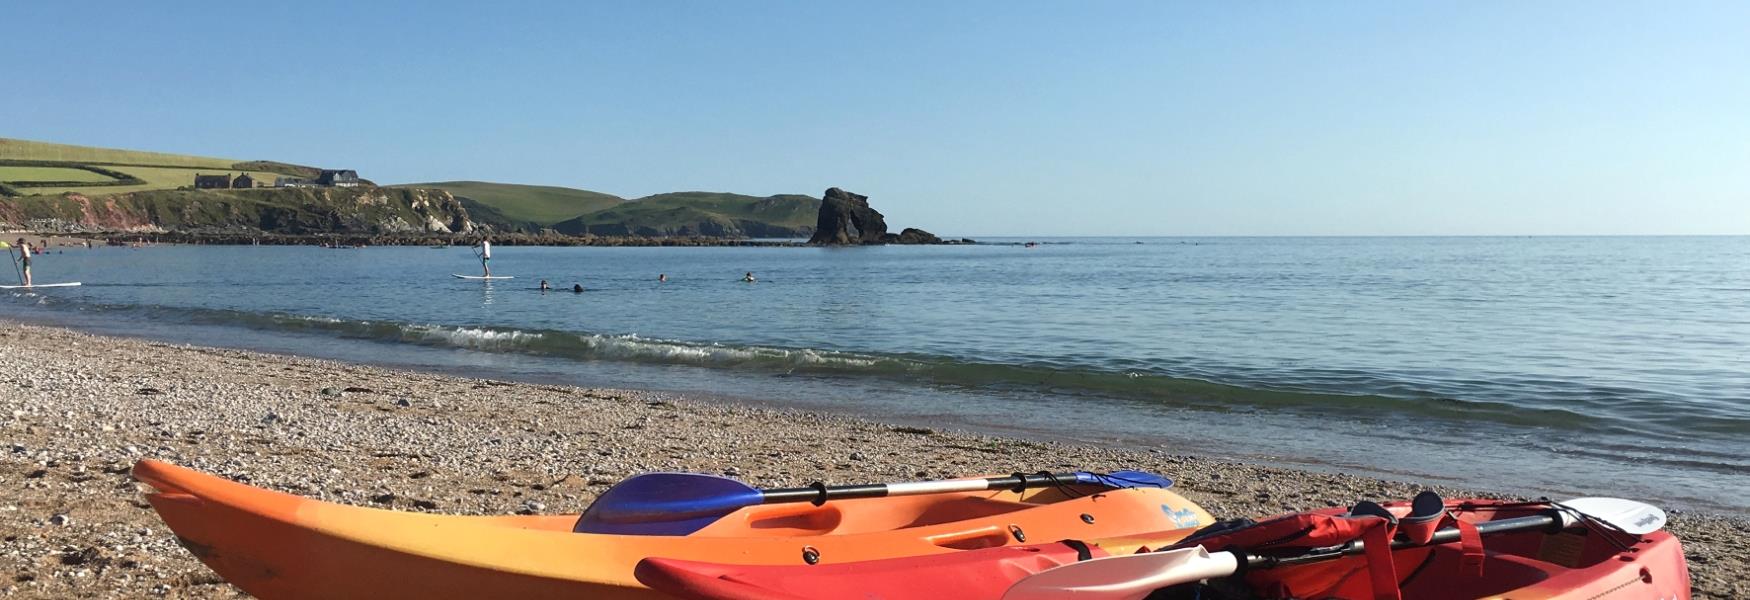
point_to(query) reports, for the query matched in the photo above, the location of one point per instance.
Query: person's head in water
(748, 276)
(544, 285)
(662, 277)
(577, 288)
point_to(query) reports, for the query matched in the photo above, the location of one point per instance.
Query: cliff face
(281, 210)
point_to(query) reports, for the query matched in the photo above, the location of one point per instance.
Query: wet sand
(79, 409)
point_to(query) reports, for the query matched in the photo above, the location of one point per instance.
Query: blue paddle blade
(665, 504)
(1125, 479)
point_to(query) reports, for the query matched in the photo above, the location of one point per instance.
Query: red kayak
(1546, 562)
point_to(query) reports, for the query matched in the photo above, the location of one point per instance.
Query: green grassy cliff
(66, 187)
(539, 205)
(701, 213)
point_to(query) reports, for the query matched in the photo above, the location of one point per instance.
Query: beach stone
(60, 520)
(332, 392)
(403, 402)
(857, 456)
(532, 435)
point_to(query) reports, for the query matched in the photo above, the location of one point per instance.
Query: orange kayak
(275, 545)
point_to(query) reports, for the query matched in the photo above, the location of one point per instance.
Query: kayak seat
(961, 509)
(795, 519)
(1501, 573)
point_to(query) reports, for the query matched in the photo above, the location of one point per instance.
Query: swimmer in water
(662, 278)
(544, 286)
(748, 277)
(576, 288)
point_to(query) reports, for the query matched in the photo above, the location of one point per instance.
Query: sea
(1544, 366)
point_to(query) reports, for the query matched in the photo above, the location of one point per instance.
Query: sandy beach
(79, 410)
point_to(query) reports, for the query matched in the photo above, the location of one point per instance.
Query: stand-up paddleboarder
(484, 249)
(23, 262)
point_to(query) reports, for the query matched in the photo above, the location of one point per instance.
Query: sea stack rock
(846, 219)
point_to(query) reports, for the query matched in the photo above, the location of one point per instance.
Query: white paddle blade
(1128, 577)
(1637, 518)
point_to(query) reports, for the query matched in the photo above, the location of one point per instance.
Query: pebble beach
(79, 410)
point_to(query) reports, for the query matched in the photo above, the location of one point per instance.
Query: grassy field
(13, 173)
(544, 205)
(156, 178)
(28, 150)
(158, 170)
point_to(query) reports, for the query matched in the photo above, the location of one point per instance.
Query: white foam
(471, 337)
(633, 347)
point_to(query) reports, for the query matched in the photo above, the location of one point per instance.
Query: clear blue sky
(965, 118)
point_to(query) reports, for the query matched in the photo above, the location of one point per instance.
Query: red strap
(1419, 531)
(1379, 560)
(1471, 542)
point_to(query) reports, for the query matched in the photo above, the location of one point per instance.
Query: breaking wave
(1565, 406)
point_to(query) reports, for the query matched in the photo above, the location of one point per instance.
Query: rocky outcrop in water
(846, 219)
(912, 235)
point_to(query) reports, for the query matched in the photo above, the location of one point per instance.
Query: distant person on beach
(544, 286)
(485, 256)
(748, 277)
(24, 261)
(576, 288)
(662, 278)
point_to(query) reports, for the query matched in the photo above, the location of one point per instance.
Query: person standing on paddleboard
(24, 261)
(486, 256)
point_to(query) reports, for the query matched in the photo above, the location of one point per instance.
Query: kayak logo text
(1182, 518)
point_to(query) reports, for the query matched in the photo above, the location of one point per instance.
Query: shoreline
(363, 239)
(81, 408)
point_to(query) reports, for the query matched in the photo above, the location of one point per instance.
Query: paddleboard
(482, 276)
(40, 285)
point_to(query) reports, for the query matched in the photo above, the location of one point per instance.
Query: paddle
(15, 267)
(1135, 576)
(681, 503)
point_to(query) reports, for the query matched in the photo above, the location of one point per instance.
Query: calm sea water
(1617, 366)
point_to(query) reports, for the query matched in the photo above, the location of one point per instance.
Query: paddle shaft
(820, 493)
(1444, 536)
